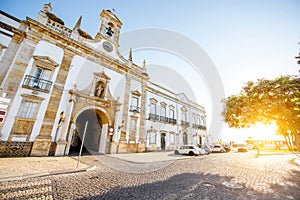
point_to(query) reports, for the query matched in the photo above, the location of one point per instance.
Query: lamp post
(61, 119)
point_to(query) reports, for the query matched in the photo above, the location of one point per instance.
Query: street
(216, 176)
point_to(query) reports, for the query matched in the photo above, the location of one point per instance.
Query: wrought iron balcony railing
(35, 83)
(135, 108)
(153, 116)
(184, 123)
(163, 119)
(172, 121)
(201, 127)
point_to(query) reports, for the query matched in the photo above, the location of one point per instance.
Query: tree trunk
(297, 141)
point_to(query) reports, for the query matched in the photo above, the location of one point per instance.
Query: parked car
(242, 148)
(218, 148)
(206, 148)
(227, 147)
(190, 150)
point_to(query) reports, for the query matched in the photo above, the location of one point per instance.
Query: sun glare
(264, 132)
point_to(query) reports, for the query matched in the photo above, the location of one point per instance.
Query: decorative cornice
(32, 97)
(45, 62)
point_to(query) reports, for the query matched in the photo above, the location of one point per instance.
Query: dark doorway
(162, 141)
(92, 135)
(200, 140)
(184, 138)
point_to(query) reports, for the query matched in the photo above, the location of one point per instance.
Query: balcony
(153, 116)
(184, 123)
(59, 28)
(135, 109)
(163, 119)
(35, 83)
(172, 121)
(201, 127)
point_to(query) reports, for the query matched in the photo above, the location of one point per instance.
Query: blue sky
(246, 40)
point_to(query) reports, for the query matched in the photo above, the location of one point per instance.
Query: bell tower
(110, 27)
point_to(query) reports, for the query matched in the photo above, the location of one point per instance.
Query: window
(172, 138)
(152, 138)
(202, 120)
(183, 116)
(171, 114)
(133, 123)
(28, 109)
(135, 101)
(39, 80)
(40, 73)
(163, 117)
(153, 108)
(135, 104)
(163, 111)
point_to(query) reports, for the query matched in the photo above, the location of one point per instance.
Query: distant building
(58, 83)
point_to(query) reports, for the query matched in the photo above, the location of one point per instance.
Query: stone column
(142, 131)
(11, 52)
(103, 138)
(125, 108)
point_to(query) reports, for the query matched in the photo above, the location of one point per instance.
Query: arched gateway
(95, 140)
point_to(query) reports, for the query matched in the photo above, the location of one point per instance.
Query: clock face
(107, 46)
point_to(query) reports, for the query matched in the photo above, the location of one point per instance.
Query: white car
(190, 150)
(218, 148)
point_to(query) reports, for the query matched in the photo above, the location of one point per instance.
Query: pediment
(183, 98)
(136, 93)
(102, 75)
(45, 62)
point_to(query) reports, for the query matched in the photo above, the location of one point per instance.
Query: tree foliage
(266, 101)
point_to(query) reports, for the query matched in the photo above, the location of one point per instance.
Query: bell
(109, 31)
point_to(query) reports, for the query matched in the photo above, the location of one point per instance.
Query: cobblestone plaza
(217, 176)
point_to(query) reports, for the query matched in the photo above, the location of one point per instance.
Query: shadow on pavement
(203, 186)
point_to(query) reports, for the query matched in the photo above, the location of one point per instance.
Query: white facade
(67, 78)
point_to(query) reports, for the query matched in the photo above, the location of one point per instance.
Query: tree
(267, 101)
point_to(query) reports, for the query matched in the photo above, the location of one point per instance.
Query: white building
(59, 83)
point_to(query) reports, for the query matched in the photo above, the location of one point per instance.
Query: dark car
(227, 147)
(242, 148)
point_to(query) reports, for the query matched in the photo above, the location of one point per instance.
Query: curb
(27, 176)
(297, 161)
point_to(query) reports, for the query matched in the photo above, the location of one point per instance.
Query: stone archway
(96, 132)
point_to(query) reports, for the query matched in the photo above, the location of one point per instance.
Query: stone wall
(15, 149)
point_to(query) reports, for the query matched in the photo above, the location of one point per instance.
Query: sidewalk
(28, 167)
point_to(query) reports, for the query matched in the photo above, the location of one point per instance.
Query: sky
(246, 40)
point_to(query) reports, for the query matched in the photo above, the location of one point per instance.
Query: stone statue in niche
(99, 91)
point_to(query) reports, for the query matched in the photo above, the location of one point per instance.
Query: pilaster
(14, 64)
(142, 132)
(125, 108)
(56, 94)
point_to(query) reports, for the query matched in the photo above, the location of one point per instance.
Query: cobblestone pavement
(216, 176)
